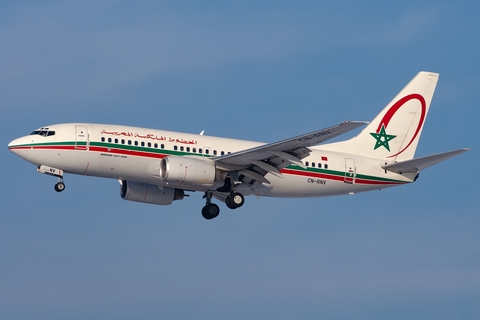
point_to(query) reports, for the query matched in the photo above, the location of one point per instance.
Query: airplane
(159, 167)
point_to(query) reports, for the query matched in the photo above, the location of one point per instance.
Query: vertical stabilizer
(394, 133)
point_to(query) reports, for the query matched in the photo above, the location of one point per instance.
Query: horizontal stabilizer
(419, 164)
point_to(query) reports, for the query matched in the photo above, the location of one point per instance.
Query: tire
(59, 187)
(237, 199)
(210, 211)
(229, 203)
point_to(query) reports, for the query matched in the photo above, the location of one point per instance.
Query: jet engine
(187, 171)
(149, 193)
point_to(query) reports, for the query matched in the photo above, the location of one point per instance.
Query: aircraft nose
(12, 144)
(15, 144)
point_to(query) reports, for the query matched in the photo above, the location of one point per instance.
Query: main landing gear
(211, 210)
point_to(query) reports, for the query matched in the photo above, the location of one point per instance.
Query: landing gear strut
(210, 210)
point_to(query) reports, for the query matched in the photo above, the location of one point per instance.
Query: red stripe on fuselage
(128, 152)
(335, 177)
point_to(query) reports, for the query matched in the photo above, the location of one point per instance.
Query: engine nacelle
(187, 171)
(149, 193)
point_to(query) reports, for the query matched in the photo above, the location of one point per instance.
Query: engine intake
(187, 171)
(149, 193)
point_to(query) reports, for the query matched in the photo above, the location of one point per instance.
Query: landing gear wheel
(59, 187)
(210, 211)
(235, 200)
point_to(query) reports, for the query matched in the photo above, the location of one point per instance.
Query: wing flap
(419, 164)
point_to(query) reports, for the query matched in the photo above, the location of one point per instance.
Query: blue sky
(259, 70)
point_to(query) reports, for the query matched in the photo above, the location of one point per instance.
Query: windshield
(44, 132)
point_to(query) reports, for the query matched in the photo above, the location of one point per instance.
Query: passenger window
(207, 151)
(188, 149)
(149, 145)
(175, 148)
(307, 163)
(142, 144)
(123, 141)
(319, 165)
(162, 146)
(313, 164)
(136, 143)
(129, 142)
(109, 139)
(155, 145)
(116, 140)
(103, 139)
(326, 166)
(194, 150)
(214, 152)
(200, 150)
(222, 153)
(181, 148)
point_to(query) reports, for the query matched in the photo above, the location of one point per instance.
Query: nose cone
(12, 144)
(17, 145)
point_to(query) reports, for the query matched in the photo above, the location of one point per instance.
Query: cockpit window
(44, 132)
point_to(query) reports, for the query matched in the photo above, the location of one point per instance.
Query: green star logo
(382, 138)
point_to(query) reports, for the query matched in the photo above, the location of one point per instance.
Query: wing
(256, 162)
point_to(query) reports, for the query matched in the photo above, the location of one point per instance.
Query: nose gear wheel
(59, 186)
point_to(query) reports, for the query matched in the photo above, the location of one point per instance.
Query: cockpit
(44, 132)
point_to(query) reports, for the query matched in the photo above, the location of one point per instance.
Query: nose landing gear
(60, 185)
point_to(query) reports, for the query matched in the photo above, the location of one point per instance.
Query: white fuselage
(134, 154)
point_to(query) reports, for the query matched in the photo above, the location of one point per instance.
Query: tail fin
(394, 133)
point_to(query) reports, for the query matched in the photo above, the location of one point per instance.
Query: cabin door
(81, 138)
(350, 171)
